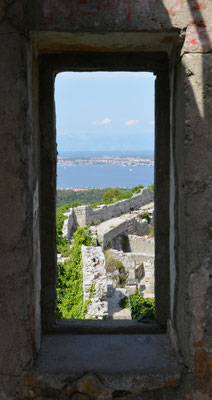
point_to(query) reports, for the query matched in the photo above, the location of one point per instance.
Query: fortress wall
(69, 223)
(138, 244)
(139, 228)
(81, 215)
(87, 215)
(94, 273)
(105, 237)
(138, 266)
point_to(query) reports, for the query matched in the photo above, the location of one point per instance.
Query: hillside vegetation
(70, 303)
(83, 197)
(96, 197)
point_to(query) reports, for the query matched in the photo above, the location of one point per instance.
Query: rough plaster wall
(127, 15)
(16, 204)
(172, 264)
(3, 6)
(194, 234)
(192, 166)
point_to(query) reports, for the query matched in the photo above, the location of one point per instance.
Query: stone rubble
(126, 238)
(138, 264)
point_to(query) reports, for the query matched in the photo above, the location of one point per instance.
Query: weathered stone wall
(138, 266)
(69, 223)
(111, 232)
(182, 30)
(94, 274)
(139, 244)
(108, 232)
(86, 215)
(137, 227)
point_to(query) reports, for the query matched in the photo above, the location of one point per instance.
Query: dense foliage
(83, 196)
(63, 245)
(95, 196)
(142, 308)
(114, 194)
(70, 302)
(137, 189)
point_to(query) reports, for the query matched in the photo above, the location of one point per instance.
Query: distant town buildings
(129, 161)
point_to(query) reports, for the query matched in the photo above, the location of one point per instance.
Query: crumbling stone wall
(94, 277)
(86, 215)
(69, 223)
(139, 266)
(182, 31)
(141, 244)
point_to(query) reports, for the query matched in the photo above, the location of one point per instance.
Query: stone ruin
(40, 358)
(124, 235)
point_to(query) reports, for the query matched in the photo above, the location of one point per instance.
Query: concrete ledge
(125, 362)
(74, 326)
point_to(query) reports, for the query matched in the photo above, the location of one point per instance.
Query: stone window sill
(126, 362)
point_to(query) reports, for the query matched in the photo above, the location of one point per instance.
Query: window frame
(49, 66)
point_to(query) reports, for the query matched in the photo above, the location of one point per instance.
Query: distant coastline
(89, 170)
(85, 189)
(124, 160)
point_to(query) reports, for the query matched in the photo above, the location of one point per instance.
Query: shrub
(114, 194)
(142, 308)
(63, 245)
(145, 215)
(95, 205)
(113, 264)
(151, 187)
(137, 189)
(70, 302)
(124, 302)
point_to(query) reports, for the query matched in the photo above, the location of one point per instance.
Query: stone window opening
(110, 264)
(50, 65)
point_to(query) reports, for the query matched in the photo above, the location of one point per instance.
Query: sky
(105, 111)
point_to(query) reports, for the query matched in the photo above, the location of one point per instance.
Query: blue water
(78, 176)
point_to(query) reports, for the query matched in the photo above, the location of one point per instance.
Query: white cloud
(151, 122)
(132, 122)
(103, 122)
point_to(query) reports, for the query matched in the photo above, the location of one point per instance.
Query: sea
(78, 176)
(109, 175)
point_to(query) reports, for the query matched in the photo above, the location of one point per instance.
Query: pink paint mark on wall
(57, 7)
(193, 5)
(196, 5)
(178, 7)
(198, 37)
(128, 9)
